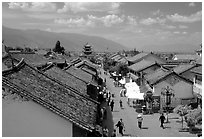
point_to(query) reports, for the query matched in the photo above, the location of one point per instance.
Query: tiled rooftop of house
(76, 107)
(186, 57)
(67, 79)
(31, 58)
(182, 68)
(141, 65)
(86, 77)
(197, 70)
(157, 75)
(137, 57)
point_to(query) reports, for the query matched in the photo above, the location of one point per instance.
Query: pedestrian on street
(139, 119)
(101, 114)
(104, 113)
(105, 132)
(121, 93)
(109, 99)
(121, 104)
(121, 126)
(114, 133)
(112, 105)
(162, 118)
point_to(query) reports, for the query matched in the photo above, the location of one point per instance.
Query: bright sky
(131, 23)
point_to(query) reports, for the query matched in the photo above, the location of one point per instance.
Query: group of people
(161, 119)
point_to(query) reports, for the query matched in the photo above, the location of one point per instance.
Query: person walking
(112, 105)
(121, 126)
(104, 113)
(121, 104)
(162, 118)
(139, 119)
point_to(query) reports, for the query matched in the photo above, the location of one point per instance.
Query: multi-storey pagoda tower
(88, 51)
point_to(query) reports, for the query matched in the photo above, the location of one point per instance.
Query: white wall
(29, 119)
(182, 90)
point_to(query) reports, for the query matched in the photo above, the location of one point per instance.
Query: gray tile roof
(197, 70)
(157, 75)
(31, 58)
(186, 57)
(79, 73)
(67, 79)
(73, 106)
(143, 64)
(137, 57)
(160, 74)
(182, 68)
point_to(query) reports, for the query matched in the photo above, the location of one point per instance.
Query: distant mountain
(178, 48)
(43, 39)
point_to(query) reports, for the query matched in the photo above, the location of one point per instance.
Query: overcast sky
(130, 24)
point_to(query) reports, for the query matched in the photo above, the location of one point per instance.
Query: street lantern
(168, 93)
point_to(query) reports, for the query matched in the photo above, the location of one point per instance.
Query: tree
(193, 117)
(182, 111)
(123, 69)
(28, 49)
(58, 48)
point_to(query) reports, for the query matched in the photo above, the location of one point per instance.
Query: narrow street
(151, 124)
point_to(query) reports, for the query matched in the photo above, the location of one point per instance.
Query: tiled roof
(87, 63)
(73, 106)
(90, 64)
(75, 61)
(113, 55)
(31, 58)
(157, 75)
(141, 65)
(89, 71)
(161, 74)
(7, 61)
(116, 57)
(144, 88)
(186, 57)
(123, 60)
(182, 68)
(197, 70)
(137, 57)
(67, 79)
(86, 77)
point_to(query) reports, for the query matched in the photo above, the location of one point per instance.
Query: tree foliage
(194, 117)
(58, 48)
(182, 111)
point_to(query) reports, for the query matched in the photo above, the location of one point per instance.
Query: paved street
(151, 124)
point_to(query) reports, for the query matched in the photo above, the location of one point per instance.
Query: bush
(194, 117)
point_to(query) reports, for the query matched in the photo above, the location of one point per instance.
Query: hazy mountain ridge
(174, 48)
(43, 39)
